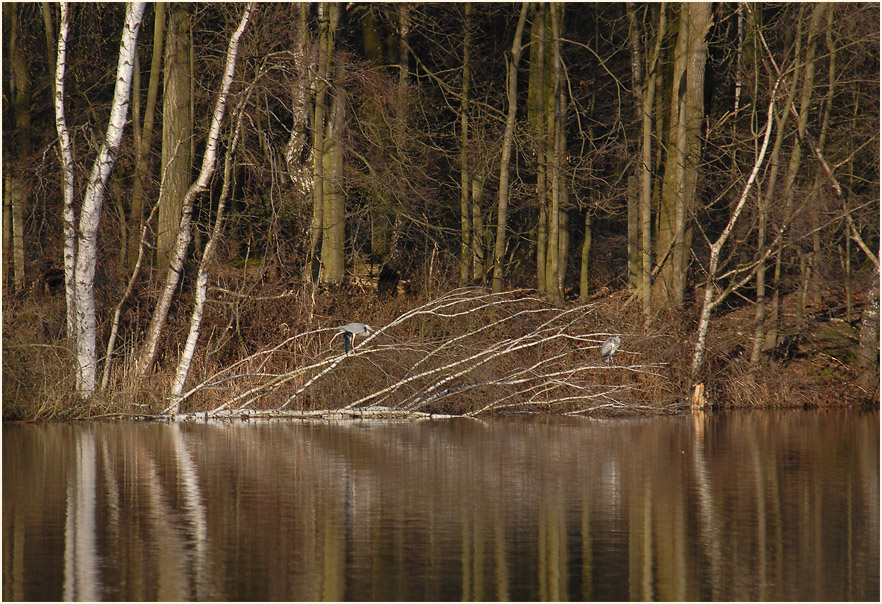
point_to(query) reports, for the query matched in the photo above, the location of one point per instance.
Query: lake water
(735, 506)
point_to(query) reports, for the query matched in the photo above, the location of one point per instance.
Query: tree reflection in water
(737, 506)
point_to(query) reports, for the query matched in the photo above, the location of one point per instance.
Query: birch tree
(151, 344)
(710, 302)
(201, 294)
(65, 153)
(81, 246)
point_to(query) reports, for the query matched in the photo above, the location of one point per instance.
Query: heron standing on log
(609, 348)
(349, 331)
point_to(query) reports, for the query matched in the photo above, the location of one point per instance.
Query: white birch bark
(82, 252)
(202, 279)
(65, 149)
(709, 303)
(209, 160)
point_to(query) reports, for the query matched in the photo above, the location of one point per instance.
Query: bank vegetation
(196, 195)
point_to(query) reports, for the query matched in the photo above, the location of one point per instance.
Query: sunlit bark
(157, 321)
(177, 131)
(508, 136)
(327, 30)
(334, 213)
(16, 183)
(202, 277)
(557, 150)
(298, 151)
(709, 302)
(682, 165)
(144, 134)
(81, 246)
(65, 154)
(536, 114)
(774, 320)
(465, 257)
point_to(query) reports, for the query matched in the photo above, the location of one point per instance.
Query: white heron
(609, 348)
(349, 331)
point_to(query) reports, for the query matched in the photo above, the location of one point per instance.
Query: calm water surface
(738, 506)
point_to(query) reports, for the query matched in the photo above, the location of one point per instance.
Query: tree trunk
(7, 233)
(794, 165)
(868, 353)
(508, 137)
(17, 190)
(682, 166)
(646, 169)
(635, 245)
(209, 159)
(465, 255)
(177, 131)
(334, 212)
(65, 152)
(327, 27)
(51, 40)
(144, 140)
(709, 302)
(17, 193)
(586, 251)
(478, 247)
(536, 117)
(635, 272)
(81, 246)
(201, 294)
(556, 151)
(563, 239)
(298, 152)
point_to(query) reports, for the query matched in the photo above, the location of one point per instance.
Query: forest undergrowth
(459, 351)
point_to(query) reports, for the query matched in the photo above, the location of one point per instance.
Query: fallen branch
(469, 352)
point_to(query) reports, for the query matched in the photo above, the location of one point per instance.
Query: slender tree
(508, 137)
(209, 160)
(81, 244)
(648, 100)
(16, 187)
(465, 178)
(143, 132)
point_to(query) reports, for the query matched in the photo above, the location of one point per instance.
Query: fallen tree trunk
(468, 353)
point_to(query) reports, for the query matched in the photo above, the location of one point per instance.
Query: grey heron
(349, 331)
(609, 348)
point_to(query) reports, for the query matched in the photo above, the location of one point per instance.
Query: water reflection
(744, 506)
